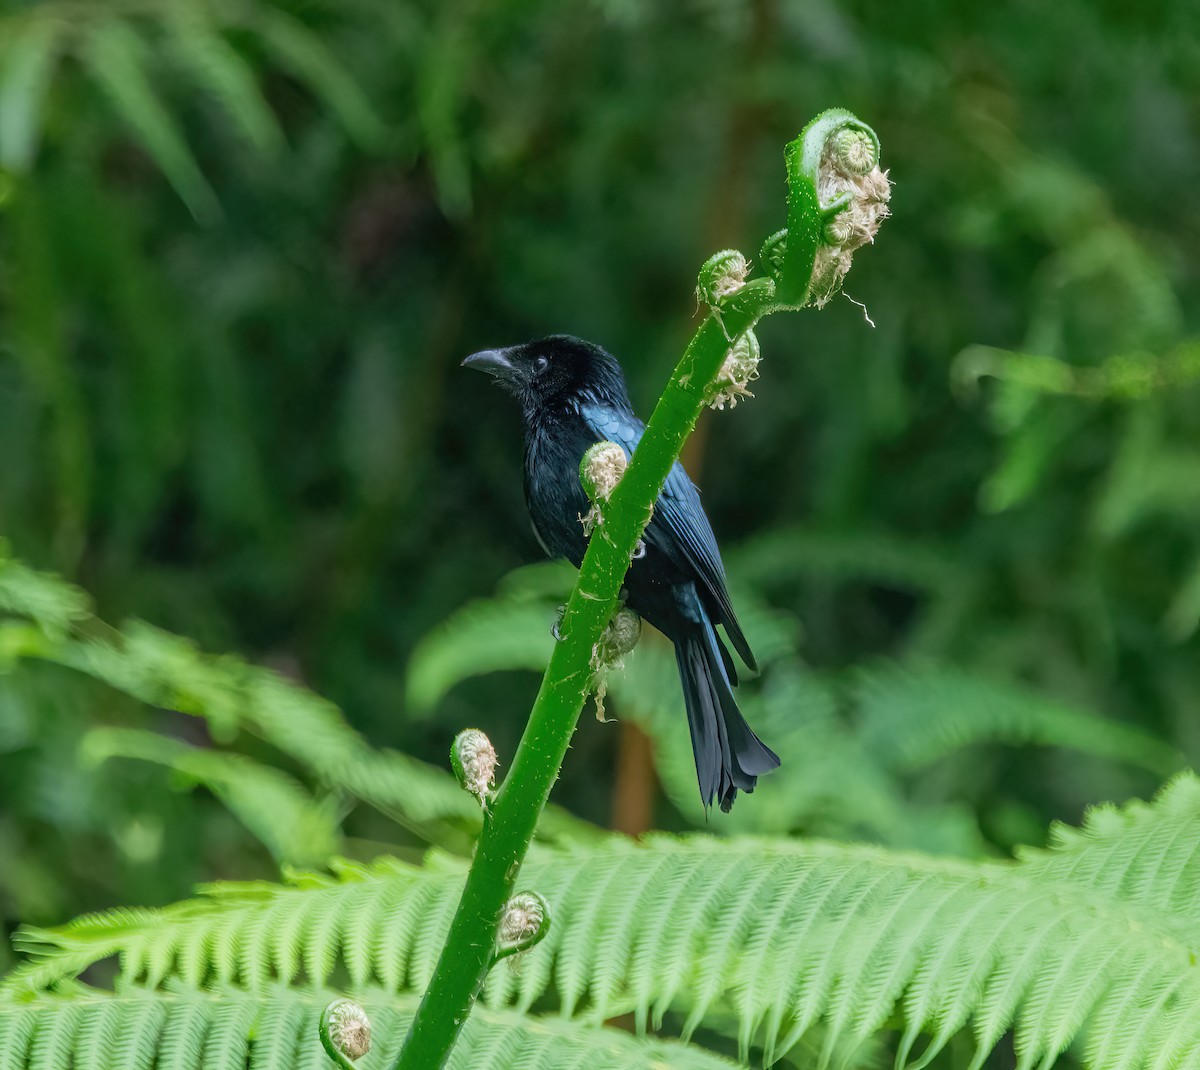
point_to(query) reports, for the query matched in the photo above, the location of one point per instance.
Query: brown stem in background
(636, 782)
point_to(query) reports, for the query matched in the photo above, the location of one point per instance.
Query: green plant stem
(513, 814)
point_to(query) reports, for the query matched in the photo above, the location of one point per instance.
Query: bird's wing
(679, 527)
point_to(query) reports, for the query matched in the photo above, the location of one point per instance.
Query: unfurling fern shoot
(729, 756)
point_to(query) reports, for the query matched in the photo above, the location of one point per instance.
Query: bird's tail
(729, 756)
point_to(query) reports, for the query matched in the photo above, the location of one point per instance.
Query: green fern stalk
(734, 309)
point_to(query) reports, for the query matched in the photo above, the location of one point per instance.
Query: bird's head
(552, 372)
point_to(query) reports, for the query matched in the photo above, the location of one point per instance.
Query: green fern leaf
(54, 606)
(292, 825)
(484, 636)
(512, 630)
(276, 1029)
(789, 553)
(912, 716)
(164, 670)
(116, 57)
(1095, 932)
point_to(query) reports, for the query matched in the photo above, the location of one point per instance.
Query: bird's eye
(540, 365)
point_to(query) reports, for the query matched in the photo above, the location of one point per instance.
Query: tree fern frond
(512, 630)
(788, 553)
(1145, 853)
(784, 935)
(294, 826)
(164, 670)
(276, 1029)
(484, 636)
(52, 604)
(913, 715)
(116, 57)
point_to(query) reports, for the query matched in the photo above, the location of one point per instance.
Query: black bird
(572, 395)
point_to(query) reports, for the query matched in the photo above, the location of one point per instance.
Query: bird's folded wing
(679, 527)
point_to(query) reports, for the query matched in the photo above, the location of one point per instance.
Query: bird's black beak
(498, 364)
(493, 361)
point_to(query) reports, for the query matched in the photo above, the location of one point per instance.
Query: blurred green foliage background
(244, 246)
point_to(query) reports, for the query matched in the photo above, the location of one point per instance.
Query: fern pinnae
(576, 944)
(87, 1031)
(1134, 1048)
(15, 1031)
(818, 982)
(1162, 885)
(1059, 1000)
(226, 955)
(1080, 858)
(1171, 881)
(529, 976)
(619, 933)
(606, 934)
(738, 899)
(178, 1048)
(759, 972)
(883, 973)
(1005, 987)
(668, 910)
(392, 954)
(285, 932)
(363, 922)
(277, 1033)
(930, 996)
(1177, 1047)
(1108, 853)
(698, 899)
(260, 933)
(319, 952)
(432, 927)
(136, 1037)
(228, 1039)
(796, 925)
(955, 974)
(53, 1043)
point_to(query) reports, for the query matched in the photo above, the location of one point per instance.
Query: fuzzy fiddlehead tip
(854, 194)
(474, 761)
(524, 923)
(837, 198)
(738, 371)
(723, 273)
(600, 470)
(619, 637)
(345, 1032)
